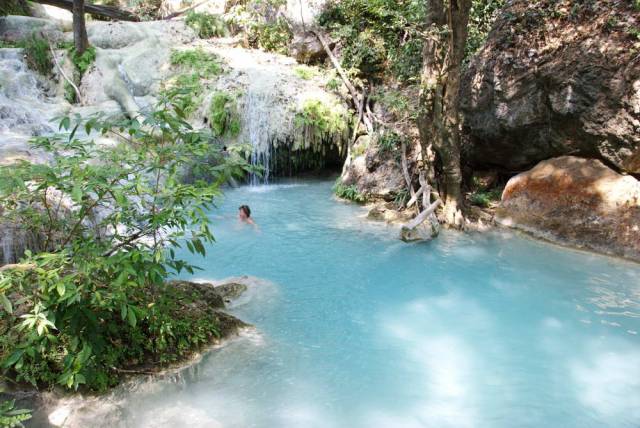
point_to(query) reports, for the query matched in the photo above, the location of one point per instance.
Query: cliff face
(556, 78)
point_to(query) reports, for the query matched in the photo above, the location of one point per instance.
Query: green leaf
(76, 193)
(6, 303)
(60, 288)
(13, 358)
(131, 316)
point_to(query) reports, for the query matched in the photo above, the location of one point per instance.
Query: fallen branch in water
(420, 218)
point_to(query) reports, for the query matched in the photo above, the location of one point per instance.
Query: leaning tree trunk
(80, 39)
(438, 120)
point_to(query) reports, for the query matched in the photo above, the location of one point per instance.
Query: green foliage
(206, 25)
(350, 192)
(262, 23)
(84, 61)
(378, 35)
(13, 7)
(273, 36)
(389, 141)
(305, 72)
(105, 221)
(484, 198)
(69, 93)
(321, 120)
(401, 198)
(223, 115)
(207, 65)
(194, 67)
(11, 417)
(38, 54)
(481, 18)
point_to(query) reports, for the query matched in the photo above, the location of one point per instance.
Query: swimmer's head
(244, 212)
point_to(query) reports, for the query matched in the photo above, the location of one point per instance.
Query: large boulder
(375, 172)
(577, 202)
(555, 78)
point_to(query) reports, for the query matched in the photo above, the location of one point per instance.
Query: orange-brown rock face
(577, 202)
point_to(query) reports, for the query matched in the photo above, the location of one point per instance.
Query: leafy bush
(84, 61)
(197, 60)
(14, 7)
(273, 36)
(484, 198)
(38, 54)
(262, 23)
(186, 87)
(305, 72)
(483, 14)
(320, 120)
(11, 417)
(92, 297)
(206, 25)
(223, 115)
(378, 35)
(389, 141)
(350, 192)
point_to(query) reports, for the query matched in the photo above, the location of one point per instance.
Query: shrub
(84, 61)
(223, 115)
(350, 192)
(186, 87)
(320, 120)
(305, 72)
(273, 36)
(93, 297)
(206, 25)
(484, 198)
(38, 54)
(14, 7)
(10, 416)
(207, 65)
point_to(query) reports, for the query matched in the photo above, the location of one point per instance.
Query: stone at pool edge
(576, 202)
(215, 296)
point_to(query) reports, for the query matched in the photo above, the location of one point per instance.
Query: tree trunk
(80, 39)
(438, 119)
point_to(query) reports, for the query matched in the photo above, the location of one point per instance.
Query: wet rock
(230, 291)
(388, 214)
(206, 291)
(306, 48)
(18, 28)
(546, 86)
(577, 202)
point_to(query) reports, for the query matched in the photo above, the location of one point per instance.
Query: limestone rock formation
(578, 202)
(376, 173)
(556, 78)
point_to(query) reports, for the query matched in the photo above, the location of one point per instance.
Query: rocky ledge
(576, 202)
(202, 299)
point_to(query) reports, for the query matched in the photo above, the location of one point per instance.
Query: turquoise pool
(357, 329)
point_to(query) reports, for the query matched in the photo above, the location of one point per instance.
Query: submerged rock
(556, 78)
(577, 202)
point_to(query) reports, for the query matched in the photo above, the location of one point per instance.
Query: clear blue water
(357, 329)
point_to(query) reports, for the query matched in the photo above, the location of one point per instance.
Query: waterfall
(25, 108)
(260, 107)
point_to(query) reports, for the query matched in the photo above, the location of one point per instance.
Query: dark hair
(246, 210)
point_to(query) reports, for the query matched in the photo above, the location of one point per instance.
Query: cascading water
(257, 116)
(25, 108)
